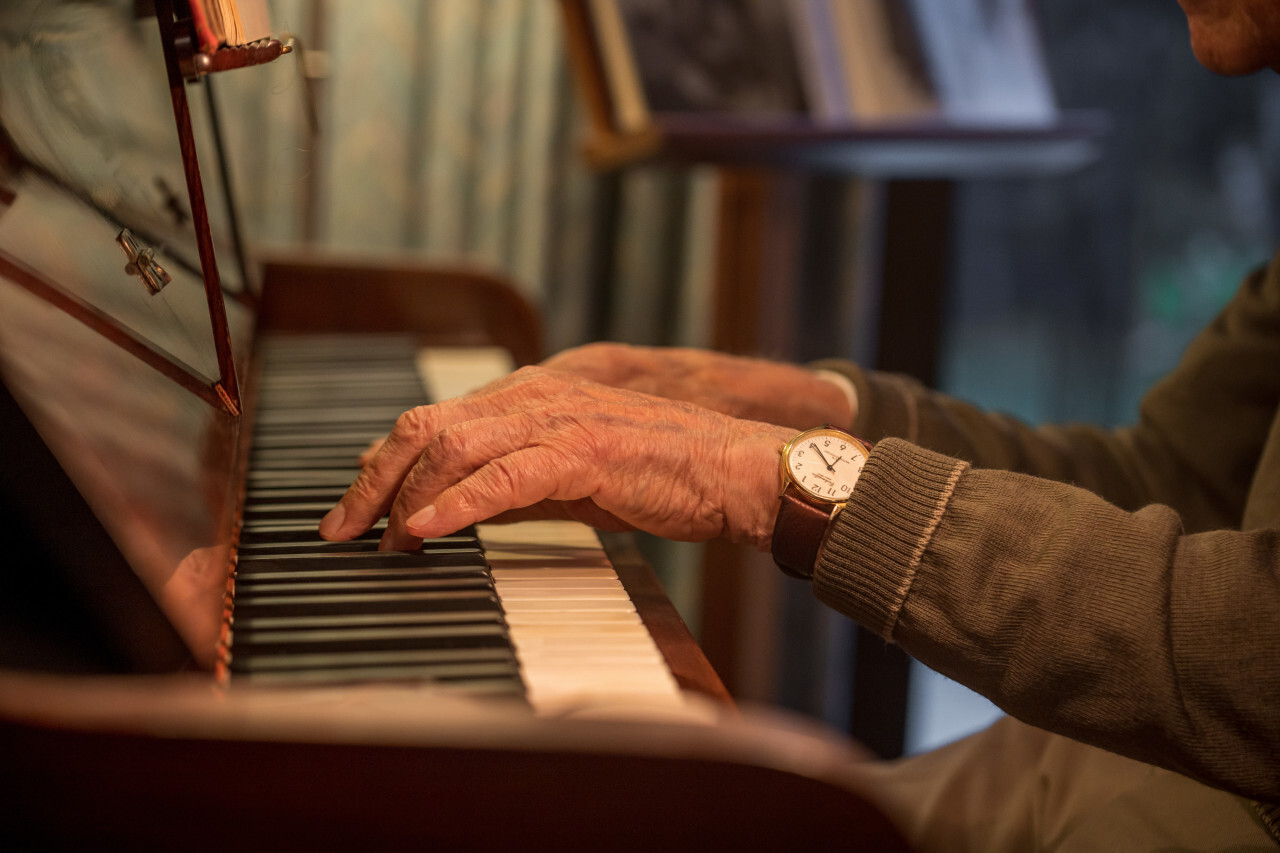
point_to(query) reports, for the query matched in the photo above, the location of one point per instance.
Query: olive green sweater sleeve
(1110, 627)
(1198, 440)
(1113, 593)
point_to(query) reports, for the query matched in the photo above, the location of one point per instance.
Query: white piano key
(517, 605)
(624, 663)
(528, 534)
(453, 371)
(528, 573)
(597, 617)
(564, 635)
(533, 561)
(509, 594)
(601, 635)
(575, 631)
(552, 586)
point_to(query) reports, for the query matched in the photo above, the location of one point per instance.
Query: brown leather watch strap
(798, 532)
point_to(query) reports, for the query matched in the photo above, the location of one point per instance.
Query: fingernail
(332, 522)
(421, 518)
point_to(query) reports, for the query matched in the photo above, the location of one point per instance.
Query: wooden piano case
(128, 309)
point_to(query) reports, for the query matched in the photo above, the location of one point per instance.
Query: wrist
(753, 484)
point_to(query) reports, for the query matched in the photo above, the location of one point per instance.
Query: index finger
(372, 493)
(370, 496)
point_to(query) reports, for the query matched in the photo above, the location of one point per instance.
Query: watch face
(825, 463)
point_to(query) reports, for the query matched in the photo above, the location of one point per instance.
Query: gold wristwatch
(819, 469)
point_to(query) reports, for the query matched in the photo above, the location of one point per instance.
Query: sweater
(1119, 587)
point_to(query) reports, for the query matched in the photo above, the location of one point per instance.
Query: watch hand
(819, 452)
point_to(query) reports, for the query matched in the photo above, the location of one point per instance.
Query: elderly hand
(543, 443)
(743, 387)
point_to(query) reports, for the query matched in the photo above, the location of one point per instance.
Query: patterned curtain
(449, 129)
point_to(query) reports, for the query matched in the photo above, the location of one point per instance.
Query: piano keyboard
(532, 609)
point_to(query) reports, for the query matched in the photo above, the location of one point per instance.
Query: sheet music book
(229, 22)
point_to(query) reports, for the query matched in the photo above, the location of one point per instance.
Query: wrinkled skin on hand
(549, 444)
(750, 388)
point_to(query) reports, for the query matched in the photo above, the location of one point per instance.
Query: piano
(183, 662)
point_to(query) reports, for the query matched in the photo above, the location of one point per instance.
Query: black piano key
(405, 602)
(263, 454)
(310, 463)
(469, 678)
(249, 645)
(468, 578)
(304, 477)
(262, 542)
(299, 530)
(321, 478)
(300, 395)
(302, 527)
(341, 370)
(318, 547)
(320, 434)
(295, 494)
(292, 585)
(333, 660)
(355, 559)
(292, 545)
(318, 438)
(321, 548)
(328, 415)
(263, 502)
(285, 509)
(459, 620)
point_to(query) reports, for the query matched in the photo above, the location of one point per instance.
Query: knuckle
(504, 478)
(539, 384)
(450, 443)
(415, 421)
(364, 490)
(529, 373)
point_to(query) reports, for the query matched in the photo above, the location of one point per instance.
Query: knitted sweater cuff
(875, 545)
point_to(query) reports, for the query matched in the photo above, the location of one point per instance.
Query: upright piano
(183, 662)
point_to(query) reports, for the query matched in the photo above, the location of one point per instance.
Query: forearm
(1106, 626)
(1129, 467)
(1201, 431)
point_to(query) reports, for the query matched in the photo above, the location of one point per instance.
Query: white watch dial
(825, 463)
